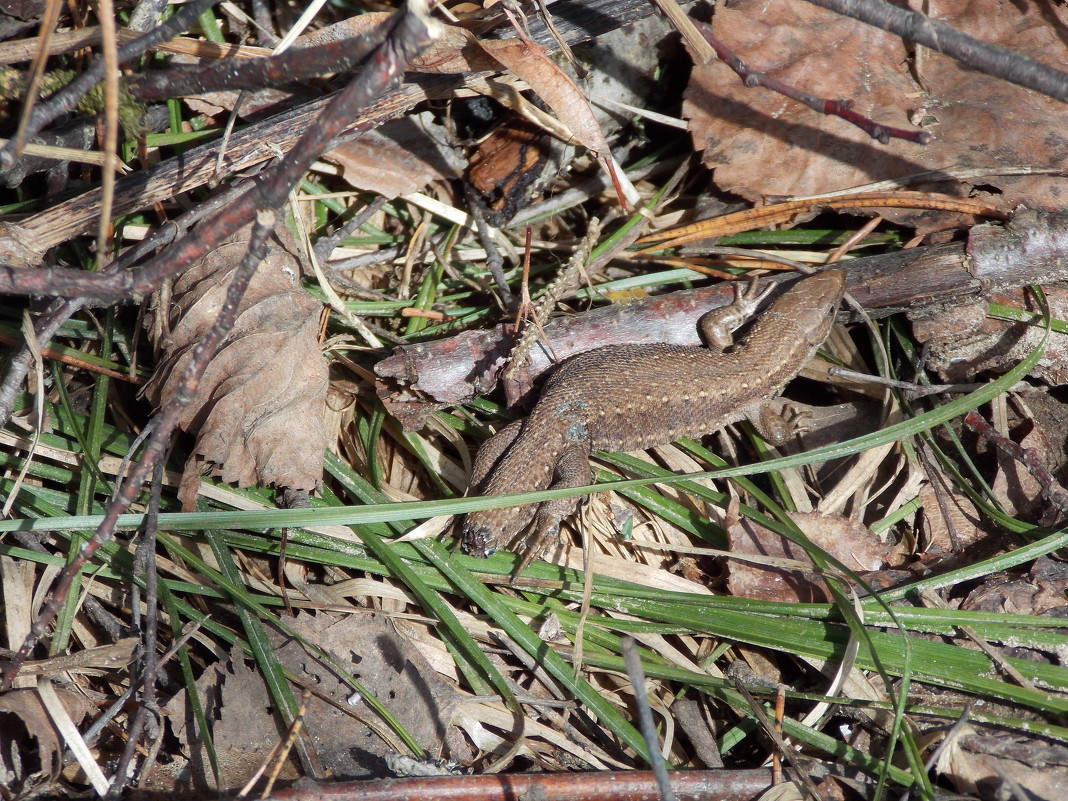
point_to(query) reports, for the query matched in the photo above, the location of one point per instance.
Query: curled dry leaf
(397, 158)
(760, 143)
(1041, 591)
(529, 62)
(999, 764)
(1020, 493)
(950, 523)
(258, 414)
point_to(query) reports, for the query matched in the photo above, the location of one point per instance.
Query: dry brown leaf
(528, 62)
(1019, 492)
(258, 414)
(31, 754)
(388, 666)
(761, 143)
(848, 540)
(1003, 765)
(398, 158)
(244, 727)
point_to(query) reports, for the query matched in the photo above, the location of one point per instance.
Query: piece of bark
(963, 341)
(1033, 248)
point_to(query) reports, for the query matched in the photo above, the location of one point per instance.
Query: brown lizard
(628, 397)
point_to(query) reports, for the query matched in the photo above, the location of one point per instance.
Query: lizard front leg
(719, 324)
(511, 461)
(572, 470)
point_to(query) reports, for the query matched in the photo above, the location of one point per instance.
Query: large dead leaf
(761, 143)
(388, 666)
(258, 414)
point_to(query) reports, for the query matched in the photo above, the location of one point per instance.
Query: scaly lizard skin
(629, 397)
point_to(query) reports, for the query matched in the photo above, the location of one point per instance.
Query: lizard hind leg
(492, 450)
(572, 470)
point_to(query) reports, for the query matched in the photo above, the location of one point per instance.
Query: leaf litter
(258, 422)
(258, 416)
(760, 144)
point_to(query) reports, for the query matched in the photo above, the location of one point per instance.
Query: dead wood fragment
(688, 785)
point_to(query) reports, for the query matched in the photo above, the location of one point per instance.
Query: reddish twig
(837, 108)
(1028, 457)
(688, 785)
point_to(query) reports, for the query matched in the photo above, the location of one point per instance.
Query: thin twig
(837, 108)
(633, 660)
(65, 100)
(111, 129)
(1009, 65)
(145, 562)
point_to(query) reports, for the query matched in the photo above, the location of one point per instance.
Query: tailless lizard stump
(630, 397)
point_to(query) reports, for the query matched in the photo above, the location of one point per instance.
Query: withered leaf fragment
(258, 416)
